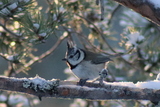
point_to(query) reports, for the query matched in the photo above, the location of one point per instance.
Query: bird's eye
(71, 56)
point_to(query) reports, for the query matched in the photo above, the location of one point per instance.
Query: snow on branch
(147, 8)
(93, 91)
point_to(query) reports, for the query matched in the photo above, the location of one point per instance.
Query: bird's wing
(96, 58)
(100, 59)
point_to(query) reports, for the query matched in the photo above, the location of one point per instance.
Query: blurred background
(28, 29)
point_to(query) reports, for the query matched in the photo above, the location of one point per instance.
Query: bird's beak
(64, 59)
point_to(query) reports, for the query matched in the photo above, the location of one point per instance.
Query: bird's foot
(103, 74)
(82, 82)
(101, 81)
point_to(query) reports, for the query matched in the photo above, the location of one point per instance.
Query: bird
(86, 65)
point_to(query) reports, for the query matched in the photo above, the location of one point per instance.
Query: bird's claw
(103, 74)
(82, 82)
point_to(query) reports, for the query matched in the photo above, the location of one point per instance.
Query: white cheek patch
(77, 58)
(72, 62)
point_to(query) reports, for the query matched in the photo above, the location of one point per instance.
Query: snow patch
(155, 84)
(36, 25)
(12, 6)
(25, 1)
(150, 85)
(5, 11)
(134, 38)
(43, 34)
(54, 17)
(20, 9)
(127, 84)
(11, 58)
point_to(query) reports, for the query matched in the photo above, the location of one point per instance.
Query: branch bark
(67, 89)
(145, 7)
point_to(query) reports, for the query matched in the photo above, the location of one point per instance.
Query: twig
(91, 44)
(101, 34)
(102, 9)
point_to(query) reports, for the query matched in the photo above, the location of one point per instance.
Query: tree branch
(67, 89)
(146, 8)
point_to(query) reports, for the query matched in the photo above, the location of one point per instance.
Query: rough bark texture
(68, 89)
(144, 7)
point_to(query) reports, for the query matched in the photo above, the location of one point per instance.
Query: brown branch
(144, 7)
(66, 89)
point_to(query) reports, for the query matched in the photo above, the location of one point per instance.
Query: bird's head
(74, 55)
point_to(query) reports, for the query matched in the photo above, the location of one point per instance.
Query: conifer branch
(144, 7)
(9, 31)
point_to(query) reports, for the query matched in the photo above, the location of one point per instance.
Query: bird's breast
(87, 70)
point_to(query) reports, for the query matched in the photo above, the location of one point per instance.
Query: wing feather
(96, 58)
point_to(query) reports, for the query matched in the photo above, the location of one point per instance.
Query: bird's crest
(70, 44)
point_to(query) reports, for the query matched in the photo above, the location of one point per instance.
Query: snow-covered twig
(93, 91)
(147, 8)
